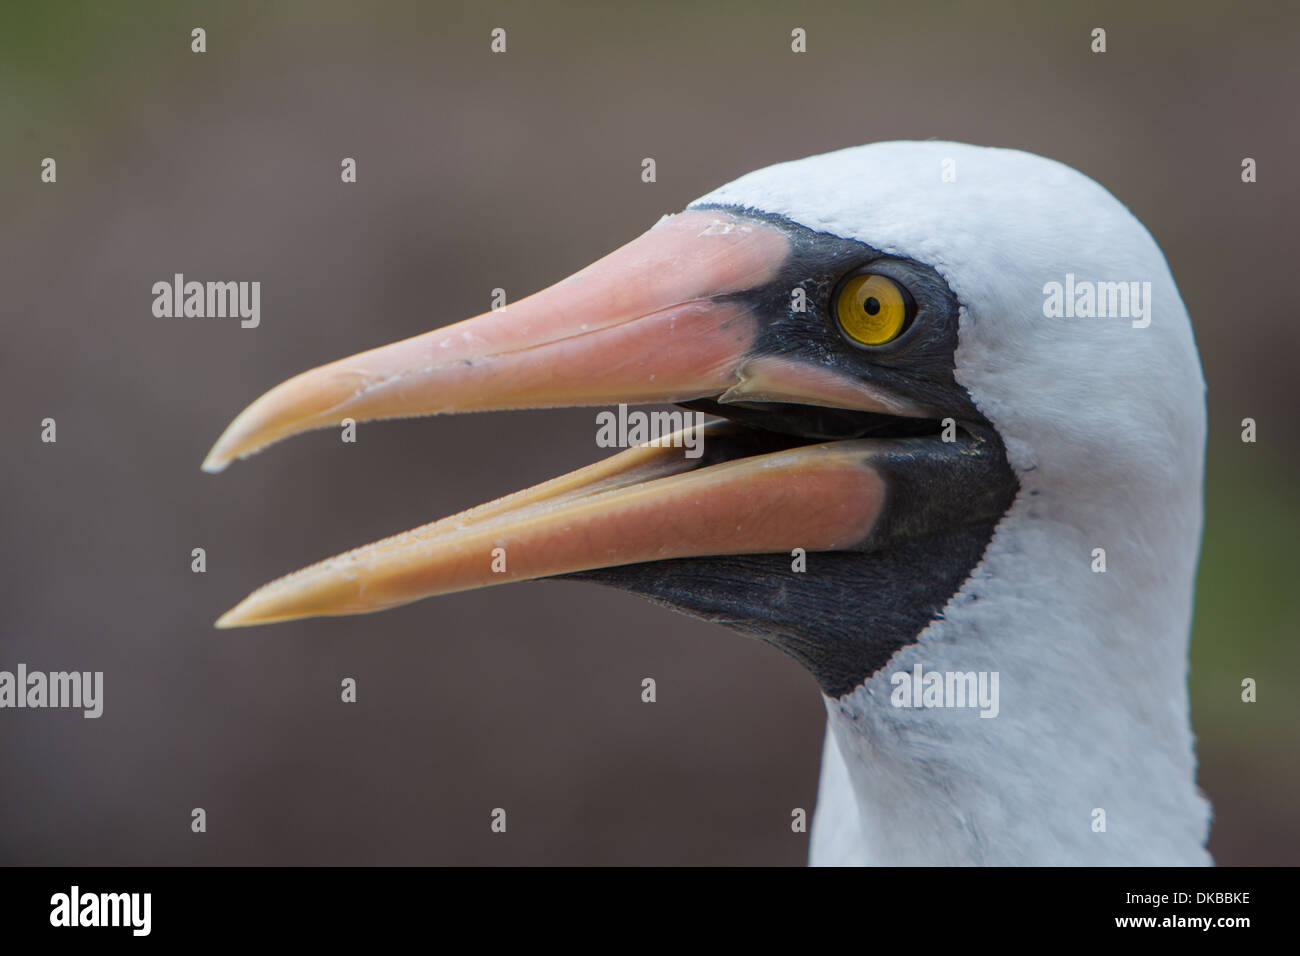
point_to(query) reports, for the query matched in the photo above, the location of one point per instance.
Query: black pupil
(872, 305)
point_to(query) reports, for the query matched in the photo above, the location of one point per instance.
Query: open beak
(661, 319)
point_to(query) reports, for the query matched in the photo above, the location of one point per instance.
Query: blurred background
(477, 171)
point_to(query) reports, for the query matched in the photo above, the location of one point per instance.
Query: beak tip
(266, 605)
(234, 618)
(223, 451)
(235, 442)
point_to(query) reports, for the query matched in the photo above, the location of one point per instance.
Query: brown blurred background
(476, 171)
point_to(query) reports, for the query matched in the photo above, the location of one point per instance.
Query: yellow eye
(872, 309)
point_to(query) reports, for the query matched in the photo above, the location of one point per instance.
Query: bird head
(875, 330)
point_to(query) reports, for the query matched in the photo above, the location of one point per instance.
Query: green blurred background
(478, 171)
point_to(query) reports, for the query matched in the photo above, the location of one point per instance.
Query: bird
(920, 477)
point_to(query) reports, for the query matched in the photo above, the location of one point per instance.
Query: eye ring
(872, 309)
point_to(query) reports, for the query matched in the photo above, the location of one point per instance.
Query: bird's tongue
(644, 504)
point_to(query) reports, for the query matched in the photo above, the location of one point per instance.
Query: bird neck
(1078, 751)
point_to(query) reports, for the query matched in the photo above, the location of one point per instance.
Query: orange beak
(662, 319)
